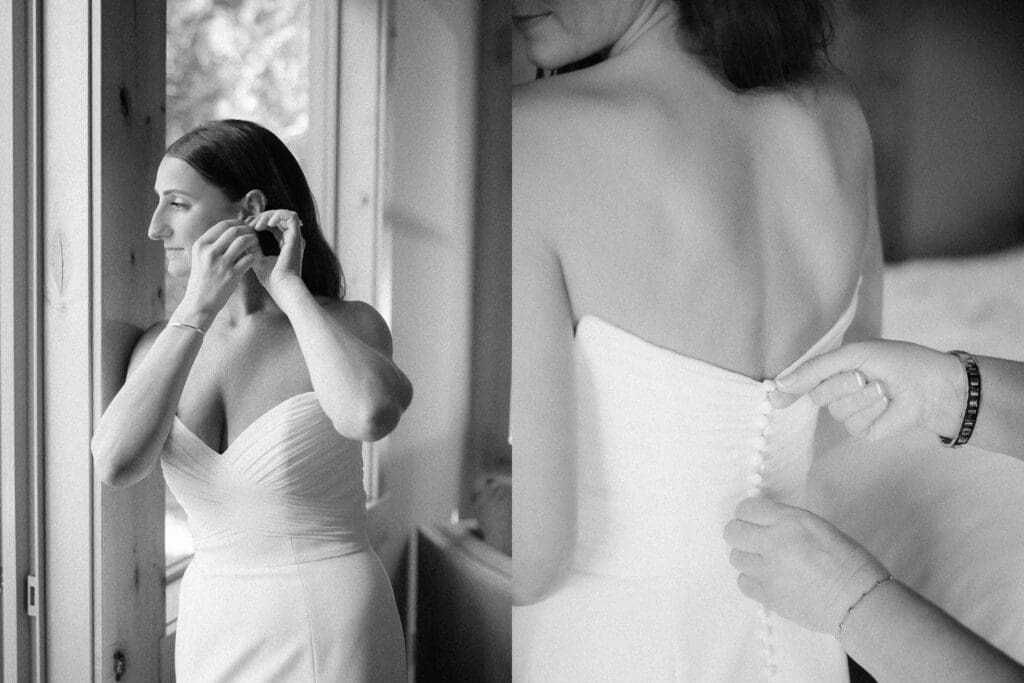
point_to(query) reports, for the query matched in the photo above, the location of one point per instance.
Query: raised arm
(132, 431)
(346, 346)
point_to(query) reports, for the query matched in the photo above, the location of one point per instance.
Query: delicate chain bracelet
(856, 602)
(970, 418)
(200, 330)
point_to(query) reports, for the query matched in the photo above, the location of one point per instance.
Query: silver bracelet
(200, 330)
(856, 602)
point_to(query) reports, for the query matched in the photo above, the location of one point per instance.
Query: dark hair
(238, 156)
(760, 43)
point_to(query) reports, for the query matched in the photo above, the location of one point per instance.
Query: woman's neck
(248, 299)
(656, 20)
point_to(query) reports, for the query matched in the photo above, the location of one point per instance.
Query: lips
(525, 22)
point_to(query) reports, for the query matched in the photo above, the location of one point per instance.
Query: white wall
(429, 207)
(941, 85)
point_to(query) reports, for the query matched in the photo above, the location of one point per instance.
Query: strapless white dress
(284, 585)
(667, 448)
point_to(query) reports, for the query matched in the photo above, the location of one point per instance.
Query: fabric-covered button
(759, 443)
(761, 421)
(752, 493)
(769, 385)
(755, 479)
(764, 407)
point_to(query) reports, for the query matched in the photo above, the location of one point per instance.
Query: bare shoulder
(561, 110)
(560, 127)
(144, 344)
(362, 320)
(825, 113)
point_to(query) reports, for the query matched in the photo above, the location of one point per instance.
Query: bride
(692, 215)
(254, 397)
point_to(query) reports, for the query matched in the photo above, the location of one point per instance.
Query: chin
(544, 57)
(551, 55)
(178, 267)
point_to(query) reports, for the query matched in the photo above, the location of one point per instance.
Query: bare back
(726, 227)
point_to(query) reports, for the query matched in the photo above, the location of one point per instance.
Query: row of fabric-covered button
(755, 480)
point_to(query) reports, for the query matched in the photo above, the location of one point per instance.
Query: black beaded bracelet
(970, 364)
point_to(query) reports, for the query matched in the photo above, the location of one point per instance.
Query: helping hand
(797, 564)
(881, 388)
(274, 272)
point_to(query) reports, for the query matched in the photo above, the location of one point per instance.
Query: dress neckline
(248, 428)
(837, 329)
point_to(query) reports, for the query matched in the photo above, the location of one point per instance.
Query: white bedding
(949, 523)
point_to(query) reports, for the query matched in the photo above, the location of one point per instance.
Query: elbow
(533, 582)
(376, 416)
(537, 570)
(374, 423)
(380, 416)
(108, 466)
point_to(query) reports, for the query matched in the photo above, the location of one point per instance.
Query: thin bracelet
(191, 327)
(970, 418)
(856, 602)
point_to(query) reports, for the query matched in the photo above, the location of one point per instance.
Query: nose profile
(157, 229)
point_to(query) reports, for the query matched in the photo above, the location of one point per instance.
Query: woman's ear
(254, 202)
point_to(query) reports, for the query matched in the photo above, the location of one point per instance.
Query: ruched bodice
(669, 445)
(288, 489)
(283, 585)
(666, 448)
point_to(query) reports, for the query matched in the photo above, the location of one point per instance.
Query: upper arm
(365, 322)
(543, 409)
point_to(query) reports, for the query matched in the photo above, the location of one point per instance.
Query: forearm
(899, 636)
(360, 389)
(132, 431)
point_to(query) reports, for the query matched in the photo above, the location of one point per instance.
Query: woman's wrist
(288, 293)
(947, 411)
(870, 612)
(193, 315)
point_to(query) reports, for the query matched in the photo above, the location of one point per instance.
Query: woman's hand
(219, 258)
(797, 564)
(881, 388)
(275, 272)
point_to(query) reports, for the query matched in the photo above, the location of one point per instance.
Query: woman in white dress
(692, 215)
(255, 397)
